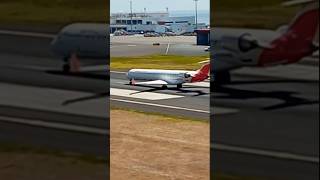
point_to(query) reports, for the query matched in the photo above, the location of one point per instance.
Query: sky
(157, 5)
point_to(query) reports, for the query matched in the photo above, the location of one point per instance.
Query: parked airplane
(82, 40)
(234, 48)
(168, 77)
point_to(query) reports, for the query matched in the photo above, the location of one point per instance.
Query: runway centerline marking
(161, 105)
(141, 95)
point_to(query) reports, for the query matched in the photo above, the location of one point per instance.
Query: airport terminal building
(153, 22)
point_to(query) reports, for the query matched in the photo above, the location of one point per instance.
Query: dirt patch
(155, 147)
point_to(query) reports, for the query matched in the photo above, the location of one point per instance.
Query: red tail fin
(297, 42)
(306, 23)
(202, 73)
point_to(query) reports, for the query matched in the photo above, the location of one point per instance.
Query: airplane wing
(156, 82)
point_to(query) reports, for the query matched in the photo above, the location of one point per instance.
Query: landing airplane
(168, 77)
(235, 48)
(82, 40)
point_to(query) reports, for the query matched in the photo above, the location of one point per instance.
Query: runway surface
(264, 125)
(139, 46)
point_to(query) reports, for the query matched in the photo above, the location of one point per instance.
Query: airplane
(168, 77)
(234, 48)
(82, 40)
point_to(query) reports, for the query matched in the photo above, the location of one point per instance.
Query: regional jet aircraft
(168, 77)
(83, 40)
(234, 48)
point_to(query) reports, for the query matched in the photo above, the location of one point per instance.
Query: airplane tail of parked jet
(297, 41)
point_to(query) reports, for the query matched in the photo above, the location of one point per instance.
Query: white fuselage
(84, 39)
(172, 77)
(230, 51)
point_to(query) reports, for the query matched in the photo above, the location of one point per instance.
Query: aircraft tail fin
(298, 41)
(202, 73)
(306, 23)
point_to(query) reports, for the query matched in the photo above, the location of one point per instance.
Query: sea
(203, 15)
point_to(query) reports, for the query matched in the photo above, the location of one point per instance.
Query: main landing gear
(71, 64)
(66, 66)
(164, 87)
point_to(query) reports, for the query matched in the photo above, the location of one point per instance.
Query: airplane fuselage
(84, 39)
(172, 77)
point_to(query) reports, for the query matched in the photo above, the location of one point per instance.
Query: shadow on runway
(89, 75)
(184, 90)
(289, 98)
(86, 98)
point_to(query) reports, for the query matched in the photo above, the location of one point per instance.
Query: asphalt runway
(275, 114)
(191, 101)
(263, 126)
(139, 46)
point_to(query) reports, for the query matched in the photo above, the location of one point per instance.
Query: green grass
(166, 117)
(250, 13)
(53, 12)
(157, 62)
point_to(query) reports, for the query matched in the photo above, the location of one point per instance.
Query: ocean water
(203, 15)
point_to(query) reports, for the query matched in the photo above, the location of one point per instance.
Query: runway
(258, 116)
(139, 46)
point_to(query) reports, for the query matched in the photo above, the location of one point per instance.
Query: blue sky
(157, 5)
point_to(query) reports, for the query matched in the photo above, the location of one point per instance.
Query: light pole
(196, 7)
(131, 14)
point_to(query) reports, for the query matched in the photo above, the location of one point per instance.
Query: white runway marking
(266, 153)
(28, 34)
(160, 105)
(216, 110)
(222, 147)
(141, 95)
(55, 125)
(118, 72)
(198, 84)
(167, 50)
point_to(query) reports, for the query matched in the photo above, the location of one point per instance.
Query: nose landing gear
(71, 64)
